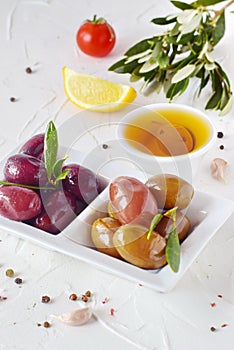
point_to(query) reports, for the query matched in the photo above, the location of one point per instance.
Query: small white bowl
(185, 165)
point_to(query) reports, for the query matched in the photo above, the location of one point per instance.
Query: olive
(60, 208)
(110, 210)
(102, 233)
(133, 245)
(170, 191)
(165, 226)
(131, 200)
(25, 170)
(34, 146)
(82, 182)
(18, 203)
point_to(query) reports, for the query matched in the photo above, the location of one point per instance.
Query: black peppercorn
(220, 134)
(213, 329)
(18, 280)
(28, 70)
(45, 299)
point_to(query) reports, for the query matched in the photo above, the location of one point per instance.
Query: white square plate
(206, 212)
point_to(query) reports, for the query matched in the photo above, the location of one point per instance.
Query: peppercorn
(28, 70)
(45, 299)
(13, 99)
(85, 298)
(104, 146)
(220, 134)
(46, 324)
(213, 329)
(221, 146)
(18, 280)
(88, 293)
(73, 296)
(10, 273)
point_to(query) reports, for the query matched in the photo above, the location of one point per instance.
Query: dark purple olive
(18, 203)
(25, 169)
(60, 208)
(34, 146)
(82, 182)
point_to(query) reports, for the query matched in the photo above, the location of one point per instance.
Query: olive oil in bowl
(167, 132)
(166, 138)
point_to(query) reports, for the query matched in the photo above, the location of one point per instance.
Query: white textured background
(41, 34)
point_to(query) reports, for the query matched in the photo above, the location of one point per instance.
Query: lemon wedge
(96, 94)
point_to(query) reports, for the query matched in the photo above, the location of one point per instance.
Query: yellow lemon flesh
(96, 94)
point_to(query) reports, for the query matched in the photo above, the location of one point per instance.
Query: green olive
(165, 226)
(102, 233)
(132, 244)
(110, 210)
(170, 191)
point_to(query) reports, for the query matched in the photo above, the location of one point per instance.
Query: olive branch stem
(222, 10)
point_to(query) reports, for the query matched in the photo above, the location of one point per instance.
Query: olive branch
(168, 61)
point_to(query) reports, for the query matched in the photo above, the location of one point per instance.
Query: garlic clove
(217, 168)
(76, 317)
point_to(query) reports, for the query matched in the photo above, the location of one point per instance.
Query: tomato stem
(97, 20)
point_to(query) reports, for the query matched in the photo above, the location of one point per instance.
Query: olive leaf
(182, 5)
(149, 65)
(173, 243)
(57, 170)
(173, 251)
(177, 88)
(170, 60)
(139, 47)
(122, 66)
(157, 218)
(50, 149)
(138, 56)
(163, 20)
(208, 2)
(183, 73)
(190, 21)
(218, 30)
(52, 165)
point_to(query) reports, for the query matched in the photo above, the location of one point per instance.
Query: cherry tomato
(96, 37)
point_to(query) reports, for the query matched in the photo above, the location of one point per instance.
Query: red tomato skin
(96, 39)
